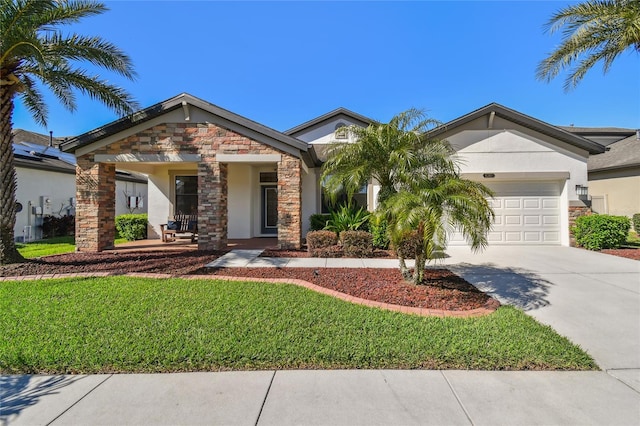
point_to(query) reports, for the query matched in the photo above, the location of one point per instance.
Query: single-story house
(46, 184)
(614, 176)
(245, 180)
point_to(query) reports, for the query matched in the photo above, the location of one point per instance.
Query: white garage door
(526, 213)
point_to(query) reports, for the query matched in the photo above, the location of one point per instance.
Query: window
(268, 177)
(186, 195)
(341, 131)
(358, 200)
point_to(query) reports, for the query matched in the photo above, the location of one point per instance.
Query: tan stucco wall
(622, 194)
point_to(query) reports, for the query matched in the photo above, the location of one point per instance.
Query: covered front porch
(241, 179)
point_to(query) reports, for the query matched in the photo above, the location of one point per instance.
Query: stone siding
(575, 211)
(95, 205)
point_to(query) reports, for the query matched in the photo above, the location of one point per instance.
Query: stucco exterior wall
(310, 197)
(31, 185)
(241, 199)
(325, 133)
(622, 194)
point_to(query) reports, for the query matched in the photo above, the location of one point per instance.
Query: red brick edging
(489, 307)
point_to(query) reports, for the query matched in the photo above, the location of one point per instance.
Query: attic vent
(341, 131)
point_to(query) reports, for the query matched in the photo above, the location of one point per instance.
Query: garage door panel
(512, 220)
(532, 237)
(495, 237)
(525, 213)
(512, 203)
(532, 220)
(551, 237)
(512, 237)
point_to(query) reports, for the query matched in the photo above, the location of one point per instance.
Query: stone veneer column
(95, 205)
(289, 203)
(576, 209)
(212, 208)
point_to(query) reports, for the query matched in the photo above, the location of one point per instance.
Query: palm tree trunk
(406, 274)
(8, 251)
(418, 272)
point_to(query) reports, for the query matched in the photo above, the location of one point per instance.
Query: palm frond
(593, 31)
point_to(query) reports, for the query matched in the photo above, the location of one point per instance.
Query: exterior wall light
(488, 175)
(582, 191)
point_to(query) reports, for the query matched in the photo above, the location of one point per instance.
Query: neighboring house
(246, 180)
(46, 184)
(614, 176)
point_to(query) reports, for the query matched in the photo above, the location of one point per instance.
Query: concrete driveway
(592, 298)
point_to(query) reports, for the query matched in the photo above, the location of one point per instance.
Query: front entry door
(269, 209)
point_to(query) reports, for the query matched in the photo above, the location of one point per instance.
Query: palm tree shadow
(511, 286)
(18, 393)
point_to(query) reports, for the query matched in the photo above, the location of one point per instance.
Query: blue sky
(283, 63)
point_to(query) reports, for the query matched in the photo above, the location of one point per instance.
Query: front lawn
(51, 246)
(124, 324)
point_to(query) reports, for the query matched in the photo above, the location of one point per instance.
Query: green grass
(124, 324)
(51, 246)
(48, 247)
(633, 239)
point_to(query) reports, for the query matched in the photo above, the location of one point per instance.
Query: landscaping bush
(636, 223)
(601, 231)
(319, 240)
(378, 228)
(318, 221)
(132, 226)
(409, 245)
(53, 226)
(330, 251)
(348, 219)
(356, 243)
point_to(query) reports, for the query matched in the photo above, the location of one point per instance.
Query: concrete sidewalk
(340, 397)
(251, 259)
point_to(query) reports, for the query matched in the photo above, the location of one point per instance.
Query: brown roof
(624, 153)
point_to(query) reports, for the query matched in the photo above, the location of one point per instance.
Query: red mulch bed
(629, 253)
(178, 262)
(446, 291)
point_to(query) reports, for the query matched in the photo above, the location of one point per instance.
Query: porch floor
(186, 244)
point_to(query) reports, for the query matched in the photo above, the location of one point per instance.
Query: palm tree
(422, 195)
(426, 210)
(384, 152)
(593, 31)
(33, 53)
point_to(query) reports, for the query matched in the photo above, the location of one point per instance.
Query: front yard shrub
(318, 221)
(636, 223)
(378, 227)
(356, 243)
(348, 219)
(601, 231)
(54, 226)
(318, 240)
(132, 226)
(330, 251)
(408, 245)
